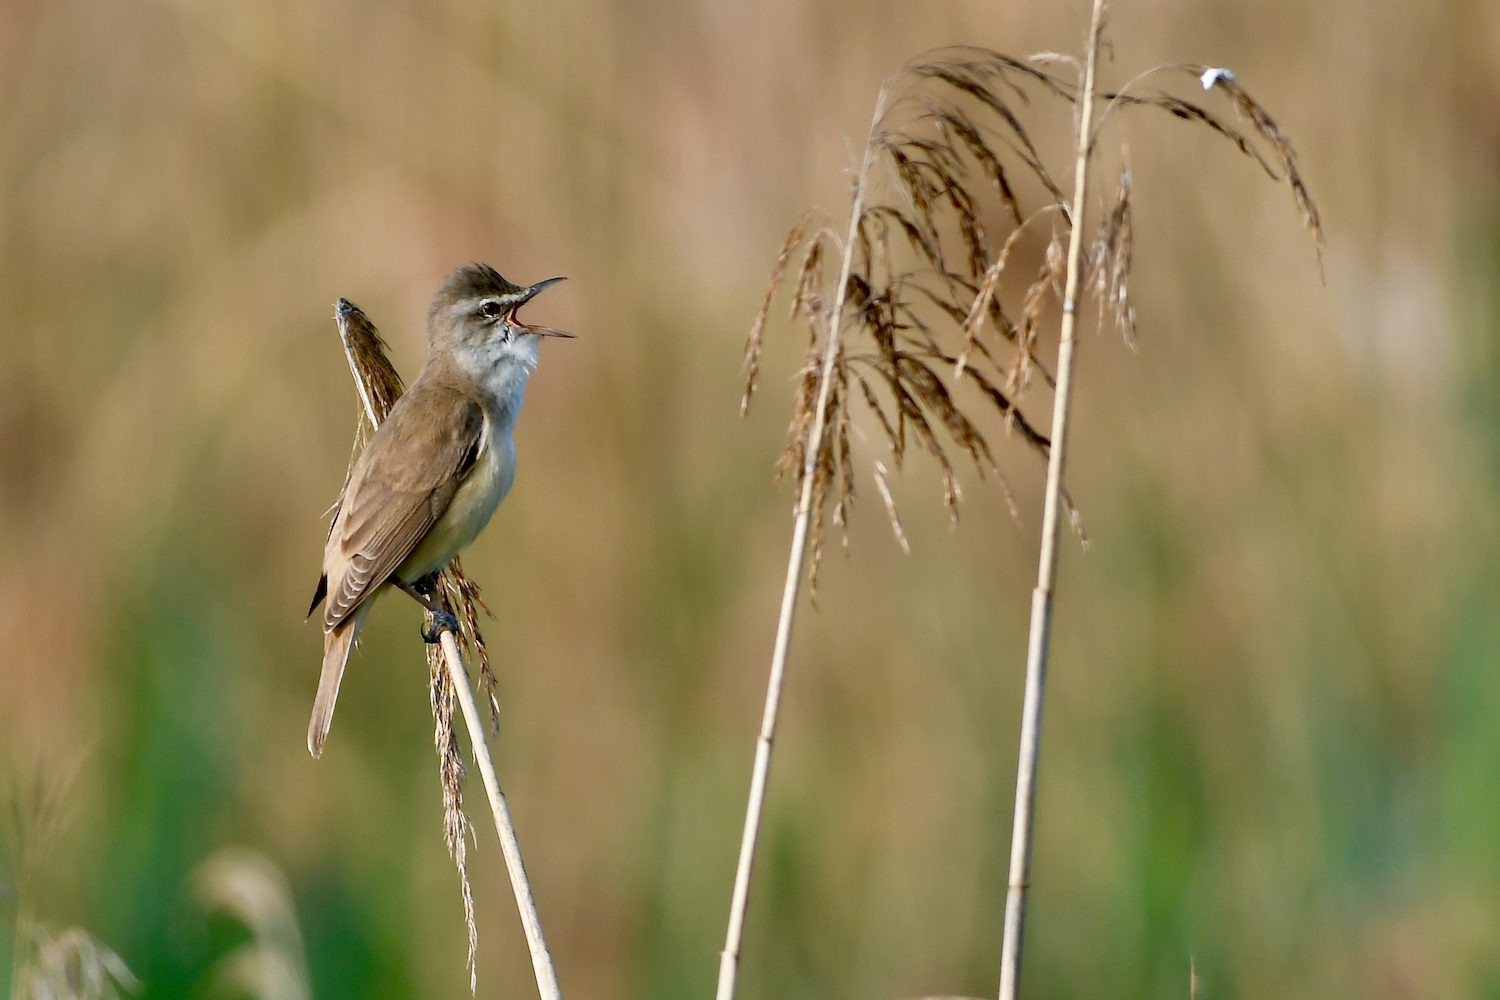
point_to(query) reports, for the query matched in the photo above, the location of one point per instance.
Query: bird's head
(474, 316)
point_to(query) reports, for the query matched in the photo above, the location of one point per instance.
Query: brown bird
(435, 469)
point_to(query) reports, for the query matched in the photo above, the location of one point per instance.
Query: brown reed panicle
(379, 386)
(1247, 110)
(941, 215)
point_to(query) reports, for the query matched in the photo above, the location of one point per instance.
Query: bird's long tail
(337, 642)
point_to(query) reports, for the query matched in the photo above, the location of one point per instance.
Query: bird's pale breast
(470, 509)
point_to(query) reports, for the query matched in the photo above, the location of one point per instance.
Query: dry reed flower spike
(379, 386)
(921, 327)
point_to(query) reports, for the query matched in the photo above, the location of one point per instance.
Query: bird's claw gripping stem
(442, 621)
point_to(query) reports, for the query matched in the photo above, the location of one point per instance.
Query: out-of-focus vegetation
(1270, 748)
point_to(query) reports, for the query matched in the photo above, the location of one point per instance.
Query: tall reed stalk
(729, 958)
(919, 321)
(1041, 596)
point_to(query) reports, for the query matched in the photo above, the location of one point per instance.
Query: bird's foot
(442, 621)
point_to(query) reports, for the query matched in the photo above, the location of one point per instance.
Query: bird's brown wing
(400, 486)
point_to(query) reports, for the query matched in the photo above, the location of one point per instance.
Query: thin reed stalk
(541, 959)
(729, 958)
(1041, 596)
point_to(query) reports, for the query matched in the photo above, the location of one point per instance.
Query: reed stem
(729, 958)
(1041, 597)
(541, 959)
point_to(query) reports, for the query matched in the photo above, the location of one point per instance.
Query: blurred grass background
(1270, 747)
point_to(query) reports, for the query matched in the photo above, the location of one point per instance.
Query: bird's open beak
(536, 331)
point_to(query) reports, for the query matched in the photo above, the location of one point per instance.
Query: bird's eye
(490, 310)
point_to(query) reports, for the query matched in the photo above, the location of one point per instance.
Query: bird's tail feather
(337, 642)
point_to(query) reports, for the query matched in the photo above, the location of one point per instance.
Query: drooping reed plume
(909, 320)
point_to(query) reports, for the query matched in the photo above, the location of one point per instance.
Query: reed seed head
(929, 332)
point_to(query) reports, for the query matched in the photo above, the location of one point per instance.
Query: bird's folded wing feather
(400, 486)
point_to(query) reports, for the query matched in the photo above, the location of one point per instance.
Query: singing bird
(435, 469)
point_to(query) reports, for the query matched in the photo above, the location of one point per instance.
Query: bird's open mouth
(537, 331)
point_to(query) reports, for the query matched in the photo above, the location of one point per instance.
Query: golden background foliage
(1270, 745)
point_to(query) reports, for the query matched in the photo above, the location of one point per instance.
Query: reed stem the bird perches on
(379, 386)
(919, 321)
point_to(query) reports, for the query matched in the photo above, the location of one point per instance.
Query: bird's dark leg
(442, 618)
